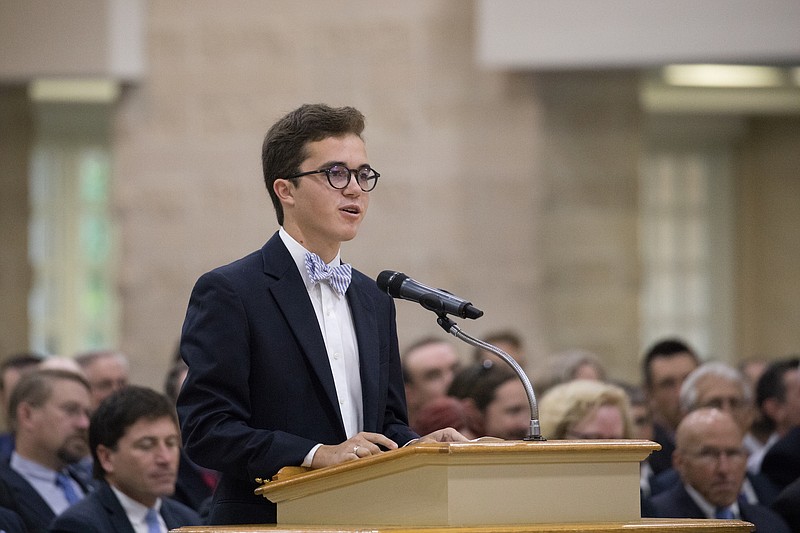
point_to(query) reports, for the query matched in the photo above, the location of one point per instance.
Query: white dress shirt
(708, 509)
(43, 481)
(136, 512)
(338, 331)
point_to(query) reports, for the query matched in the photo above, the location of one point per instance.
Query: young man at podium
(292, 354)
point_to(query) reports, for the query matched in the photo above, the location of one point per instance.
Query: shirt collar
(135, 510)
(298, 253)
(708, 509)
(31, 468)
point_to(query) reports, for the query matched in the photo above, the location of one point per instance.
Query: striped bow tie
(337, 277)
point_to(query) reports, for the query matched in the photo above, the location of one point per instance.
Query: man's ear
(25, 412)
(104, 458)
(678, 462)
(284, 190)
(772, 408)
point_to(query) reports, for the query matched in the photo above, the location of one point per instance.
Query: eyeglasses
(727, 403)
(339, 176)
(714, 455)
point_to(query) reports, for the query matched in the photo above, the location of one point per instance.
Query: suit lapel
(31, 504)
(116, 514)
(292, 299)
(169, 517)
(366, 326)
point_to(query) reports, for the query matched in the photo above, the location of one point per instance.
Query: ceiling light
(73, 90)
(723, 76)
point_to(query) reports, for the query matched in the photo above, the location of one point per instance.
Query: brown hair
(285, 145)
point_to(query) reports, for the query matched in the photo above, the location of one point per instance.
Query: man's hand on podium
(444, 435)
(362, 445)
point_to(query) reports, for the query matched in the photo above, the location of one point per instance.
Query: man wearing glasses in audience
(292, 354)
(711, 462)
(719, 385)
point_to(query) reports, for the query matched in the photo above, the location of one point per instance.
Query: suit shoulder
(86, 516)
(243, 264)
(764, 518)
(368, 285)
(181, 512)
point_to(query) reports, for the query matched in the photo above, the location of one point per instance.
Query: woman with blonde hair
(585, 409)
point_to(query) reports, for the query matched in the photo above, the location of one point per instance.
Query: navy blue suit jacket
(19, 496)
(781, 463)
(787, 504)
(676, 503)
(10, 522)
(101, 512)
(764, 489)
(260, 393)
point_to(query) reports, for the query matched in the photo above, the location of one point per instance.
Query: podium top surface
(462, 453)
(644, 525)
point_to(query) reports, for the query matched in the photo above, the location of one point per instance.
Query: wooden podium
(507, 486)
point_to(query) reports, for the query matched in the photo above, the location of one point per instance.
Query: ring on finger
(355, 450)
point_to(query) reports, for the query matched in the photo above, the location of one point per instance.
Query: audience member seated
(585, 409)
(664, 367)
(725, 388)
(49, 413)
(781, 463)
(11, 371)
(195, 485)
(495, 401)
(787, 504)
(135, 443)
(106, 371)
(428, 369)
(507, 341)
(443, 412)
(774, 399)
(711, 461)
(567, 366)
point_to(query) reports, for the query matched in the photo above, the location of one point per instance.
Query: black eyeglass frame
(350, 173)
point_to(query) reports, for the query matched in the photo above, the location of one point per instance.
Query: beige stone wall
(515, 190)
(15, 274)
(768, 305)
(455, 205)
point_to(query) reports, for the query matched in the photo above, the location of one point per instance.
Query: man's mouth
(353, 210)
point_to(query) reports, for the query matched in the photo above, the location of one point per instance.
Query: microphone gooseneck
(443, 303)
(534, 431)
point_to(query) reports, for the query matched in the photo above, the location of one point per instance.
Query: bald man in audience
(711, 461)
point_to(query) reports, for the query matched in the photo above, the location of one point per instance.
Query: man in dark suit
(49, 413)
(787, 504)
(135, 443)
(664, 367)
(711, 461)
(292, 354)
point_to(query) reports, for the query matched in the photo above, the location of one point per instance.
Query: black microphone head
(390, 282)
(472, 312)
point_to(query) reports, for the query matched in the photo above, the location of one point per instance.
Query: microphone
(398, 285)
